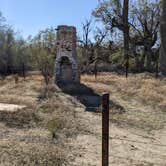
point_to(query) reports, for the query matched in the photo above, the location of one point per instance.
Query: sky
(30, 16)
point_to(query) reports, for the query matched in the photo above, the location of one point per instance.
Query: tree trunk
(126, 34)
(95, 69)
(157, 68)
(142, 62)
(23, 70)
(163, 39)
(148, 58)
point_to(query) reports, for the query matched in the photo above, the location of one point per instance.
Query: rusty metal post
(105, 129)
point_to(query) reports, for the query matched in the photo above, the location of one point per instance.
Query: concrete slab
(10, 107)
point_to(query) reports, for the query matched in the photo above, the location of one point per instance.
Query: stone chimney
(66, 64)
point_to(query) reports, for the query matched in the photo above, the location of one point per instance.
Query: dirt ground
(137, 135)
(137, 123)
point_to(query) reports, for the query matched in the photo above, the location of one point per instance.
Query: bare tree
(97, 46)
(145, 29)
(86, 44)
(114, 14)
(126, 34)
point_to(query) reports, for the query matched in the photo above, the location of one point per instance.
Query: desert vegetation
(121, 51)
(41, 129)
(50, 129)
(128, 41)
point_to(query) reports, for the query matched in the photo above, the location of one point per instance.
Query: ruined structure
(66, 65)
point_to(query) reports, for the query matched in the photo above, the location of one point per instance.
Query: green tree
(43, 51)
(7, 42)
(22, 57)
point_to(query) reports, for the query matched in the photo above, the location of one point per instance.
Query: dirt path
(127, 147)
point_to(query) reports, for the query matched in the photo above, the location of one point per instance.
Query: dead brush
(58, 118)
(142, 87)
(33, 154)
(116, 108)
(16, 78)
(48, 91)
(22, 118)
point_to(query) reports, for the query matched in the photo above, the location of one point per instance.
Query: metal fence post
(105, 129)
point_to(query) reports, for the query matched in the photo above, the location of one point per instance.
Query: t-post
(105, 129)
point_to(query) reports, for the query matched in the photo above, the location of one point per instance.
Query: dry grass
(39, 134)
(21, 119)
(30, 154)
(142, 96)
(46, 112)
(143, 87)
(23, 92)
(58, 118)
